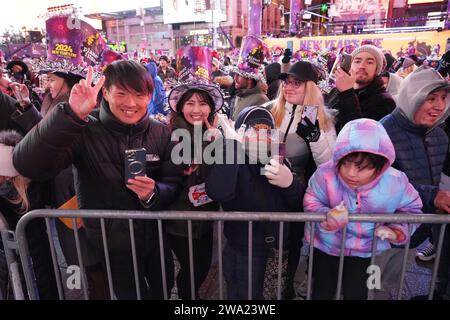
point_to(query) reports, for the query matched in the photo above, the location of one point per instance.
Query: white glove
(228, 128)
(385, 233)
(279, 175)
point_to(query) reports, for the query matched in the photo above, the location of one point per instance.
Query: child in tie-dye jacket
(361, 178)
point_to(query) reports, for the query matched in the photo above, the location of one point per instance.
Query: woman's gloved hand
(309, 132)
(278, 174)
(228, 128)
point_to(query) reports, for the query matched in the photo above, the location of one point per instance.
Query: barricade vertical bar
(80, 260)
(191, 260)
(24, 253)
(405, 260)
(341, 264)
(220, 245)
(163, 259)
(310, 262)
(280, 258)
(12, 265)
(436, 261)
(54, 260)
(250, 259)
(135, 263)
(108, 264)
(372, 260)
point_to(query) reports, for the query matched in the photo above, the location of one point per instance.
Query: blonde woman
(307, 144)
(299, 89)
(19, 195)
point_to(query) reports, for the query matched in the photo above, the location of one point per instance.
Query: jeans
(235, 268)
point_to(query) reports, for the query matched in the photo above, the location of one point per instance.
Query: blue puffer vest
(420, 154)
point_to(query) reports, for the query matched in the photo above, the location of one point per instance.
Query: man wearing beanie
(361, 92)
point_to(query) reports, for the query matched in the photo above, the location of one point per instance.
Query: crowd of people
(374, 139)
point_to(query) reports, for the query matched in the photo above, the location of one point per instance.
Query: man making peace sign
(96, 143)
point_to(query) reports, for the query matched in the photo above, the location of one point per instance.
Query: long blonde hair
(21, 184)
(11, 138)
(313, 97)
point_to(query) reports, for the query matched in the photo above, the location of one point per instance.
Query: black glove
(309, 132)
(287, 56)
(444, 64)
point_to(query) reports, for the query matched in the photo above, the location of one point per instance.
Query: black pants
(149, 267)
(202, 250)
(443, 276)
(293, 244)
(325, 277)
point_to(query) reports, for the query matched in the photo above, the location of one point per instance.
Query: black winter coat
(242, 187)
(11, 119)
(371, 102)
(420, 154)
(97, 150)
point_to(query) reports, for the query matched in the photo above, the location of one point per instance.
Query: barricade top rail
(233, 216)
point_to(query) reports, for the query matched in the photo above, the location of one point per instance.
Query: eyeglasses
(294, 83)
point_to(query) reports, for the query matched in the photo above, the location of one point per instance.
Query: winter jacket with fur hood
(390, 192)
(421, 151)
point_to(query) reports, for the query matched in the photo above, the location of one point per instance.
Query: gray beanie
(376, 53)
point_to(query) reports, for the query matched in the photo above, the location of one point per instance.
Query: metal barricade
(221, 217)
(13, 277)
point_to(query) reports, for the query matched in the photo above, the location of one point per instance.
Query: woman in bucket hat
(194, 105)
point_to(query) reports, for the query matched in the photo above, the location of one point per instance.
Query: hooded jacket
(371, 102)
(393, 85)
(390, 192)
(255, 96)
(242, 187)
(421, 151)
(159, 92)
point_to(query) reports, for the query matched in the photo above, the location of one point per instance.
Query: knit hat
(255, 117)
(408, 62)
(375, 52)
(6, 164)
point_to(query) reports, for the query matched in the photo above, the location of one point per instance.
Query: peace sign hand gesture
(83, 97)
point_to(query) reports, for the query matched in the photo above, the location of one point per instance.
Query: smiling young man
(95, 144)
(361, 93)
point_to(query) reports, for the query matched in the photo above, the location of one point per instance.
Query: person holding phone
(195, 106)
(96, 144)
(308, 133)
(360, 93)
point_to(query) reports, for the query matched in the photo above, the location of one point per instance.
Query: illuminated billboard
(423, 1)
(185, 11)
(361, 9)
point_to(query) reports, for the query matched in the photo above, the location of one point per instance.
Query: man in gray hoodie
(421, 145)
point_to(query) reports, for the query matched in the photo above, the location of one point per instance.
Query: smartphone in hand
(16, 90)
(309, 112)
(346, 62)
(135, 163)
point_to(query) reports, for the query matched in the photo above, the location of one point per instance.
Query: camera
(135, 163)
